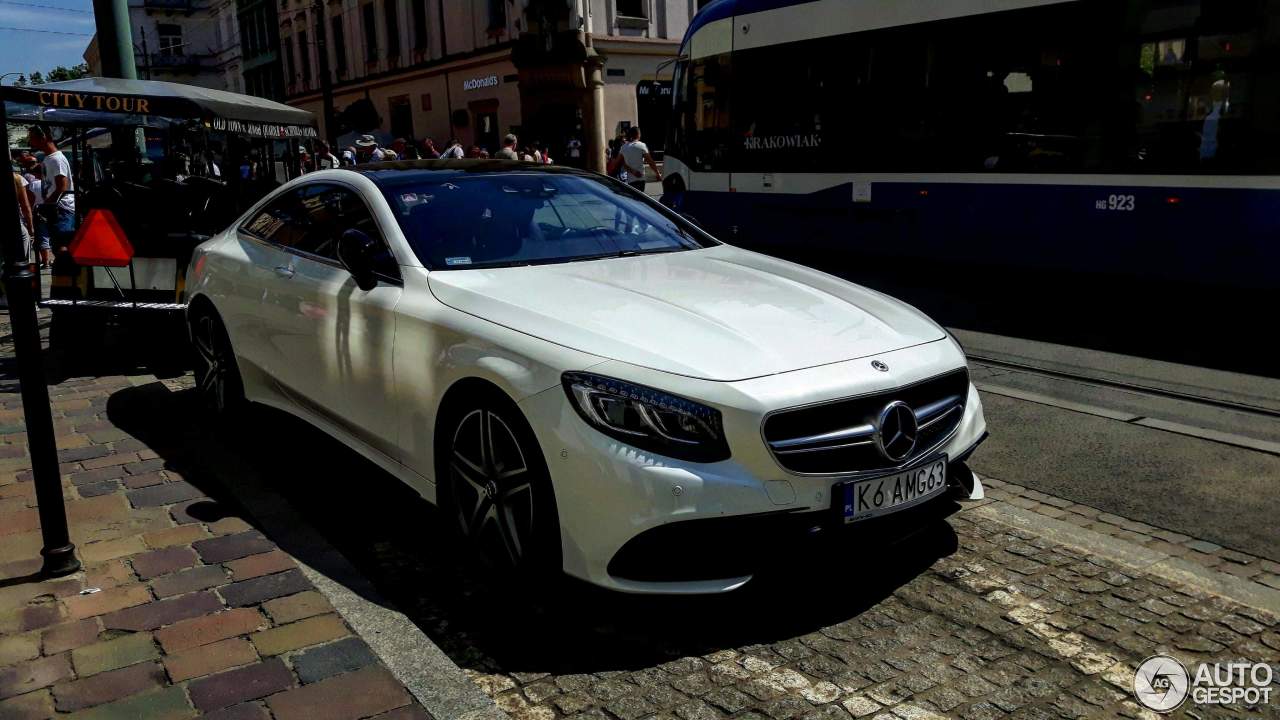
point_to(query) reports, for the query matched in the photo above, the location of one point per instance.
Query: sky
(42, 34)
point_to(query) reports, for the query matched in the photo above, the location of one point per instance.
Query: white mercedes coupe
(580, 378)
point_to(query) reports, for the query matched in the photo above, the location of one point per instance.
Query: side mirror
(356, 251)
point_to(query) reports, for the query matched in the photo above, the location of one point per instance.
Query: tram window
(706, 108)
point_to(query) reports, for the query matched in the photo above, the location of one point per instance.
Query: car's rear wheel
(217, 375)
(496, 490)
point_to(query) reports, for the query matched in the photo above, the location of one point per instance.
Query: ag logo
(1161, 683)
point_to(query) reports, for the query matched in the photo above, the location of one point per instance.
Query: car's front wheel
(496, 489)
(217, 375)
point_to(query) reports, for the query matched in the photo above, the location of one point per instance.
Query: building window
(304, 58)
(419, 24)
(633, 8)
(339, 39)
(391, 10)
(497, 15)
(401, 117)
(287, 53)
(170, 39)
(370, 33)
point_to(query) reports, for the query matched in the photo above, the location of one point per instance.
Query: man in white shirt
(59, 188)
(635, 155)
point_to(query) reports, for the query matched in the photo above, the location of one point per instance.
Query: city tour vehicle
(158, 168)
(582, 379)
(1137, 138)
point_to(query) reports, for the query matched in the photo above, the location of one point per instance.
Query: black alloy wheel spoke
(493, 495)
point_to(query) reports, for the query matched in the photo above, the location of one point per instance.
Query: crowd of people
(45, 191)
(367, 149)
(627, 154)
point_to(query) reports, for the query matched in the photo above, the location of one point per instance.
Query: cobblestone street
(993, 613)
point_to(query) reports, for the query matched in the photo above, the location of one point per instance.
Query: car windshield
(459, 222)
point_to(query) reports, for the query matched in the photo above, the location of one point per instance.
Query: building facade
(477, 69)
(196, 42)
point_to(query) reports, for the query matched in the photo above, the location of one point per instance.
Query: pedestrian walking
(635, 155)
(508, 151)
(573, 150)
(26, 223)
(40, 227)
(429, 151)
(58, 189)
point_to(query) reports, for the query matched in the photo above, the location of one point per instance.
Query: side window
(281, 222)
(331, 211)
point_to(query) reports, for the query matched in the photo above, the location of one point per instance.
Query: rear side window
(312, 218)
(281, 222)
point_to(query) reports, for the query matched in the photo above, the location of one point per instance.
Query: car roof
(399, 170)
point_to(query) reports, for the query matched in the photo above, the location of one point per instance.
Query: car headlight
(647, 418)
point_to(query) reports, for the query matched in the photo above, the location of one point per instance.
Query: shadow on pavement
(395, 540)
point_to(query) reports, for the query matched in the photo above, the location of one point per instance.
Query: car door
(342, 335)
(255, 308)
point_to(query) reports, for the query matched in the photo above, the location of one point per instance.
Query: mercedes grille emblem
(896, 431)
(879, 366)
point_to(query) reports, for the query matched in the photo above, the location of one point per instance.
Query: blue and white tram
(1127, 137)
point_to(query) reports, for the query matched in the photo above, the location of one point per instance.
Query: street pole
(595, 140)
(115, 39)
(326, 83)
(19, 285)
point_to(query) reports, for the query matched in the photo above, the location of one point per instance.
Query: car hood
(718, 314)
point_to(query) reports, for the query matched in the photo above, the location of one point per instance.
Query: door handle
(284, 271)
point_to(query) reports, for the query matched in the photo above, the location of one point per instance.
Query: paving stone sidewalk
(182, 609)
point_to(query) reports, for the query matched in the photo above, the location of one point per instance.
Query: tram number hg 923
(1115, 202)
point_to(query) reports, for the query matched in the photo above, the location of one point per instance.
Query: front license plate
(864, 499)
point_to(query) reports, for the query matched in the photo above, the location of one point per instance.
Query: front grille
(839, 437)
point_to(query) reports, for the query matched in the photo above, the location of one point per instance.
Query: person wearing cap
(508, 151)
(367, 149)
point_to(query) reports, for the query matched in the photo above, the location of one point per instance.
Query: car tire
(217, 374)
(494, 489)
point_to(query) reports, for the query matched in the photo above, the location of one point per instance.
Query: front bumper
(636, 521)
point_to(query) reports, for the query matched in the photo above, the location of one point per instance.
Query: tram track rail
(1150, 390)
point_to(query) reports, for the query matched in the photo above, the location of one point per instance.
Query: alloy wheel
(492, 488)
(212, 379)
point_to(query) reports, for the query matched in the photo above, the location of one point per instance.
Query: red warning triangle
(101, 241)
